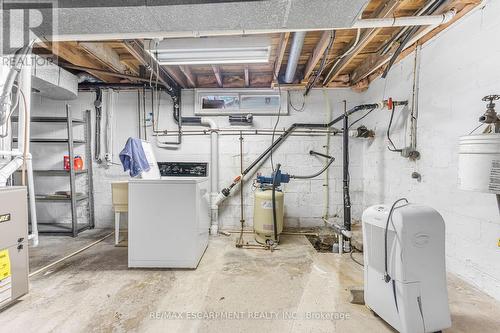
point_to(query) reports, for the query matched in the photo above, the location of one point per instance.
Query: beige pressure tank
(263, 215)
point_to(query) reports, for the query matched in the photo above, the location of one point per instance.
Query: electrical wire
(356, 261)
(361, 118)
(276, 123)
(393, 148)
(351, 49)
(322, 66)
(475, 129)
(302, 107)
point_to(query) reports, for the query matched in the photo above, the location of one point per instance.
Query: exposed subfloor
(94, 291)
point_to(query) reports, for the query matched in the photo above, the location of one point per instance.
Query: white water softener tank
(479, 163)
(415, 298)
(263, 222)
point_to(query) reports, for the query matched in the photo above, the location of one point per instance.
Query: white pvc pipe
(14, 152)
(24, 130)
(108, 128)
(31, 194)
(410, 43)
(401, 21)
(214, 174)
(406, 21)
(9, 168)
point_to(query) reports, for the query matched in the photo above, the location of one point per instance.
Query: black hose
(316, 174)
(387, 277)
(275, 222)
(394, 149)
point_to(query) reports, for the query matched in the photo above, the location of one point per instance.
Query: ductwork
(293, 58)
(52, 81)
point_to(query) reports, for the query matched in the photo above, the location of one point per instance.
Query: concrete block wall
(304, 198)
(457, 69)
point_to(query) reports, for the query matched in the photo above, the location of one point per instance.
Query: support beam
(136, 48)
(280, 54)
(317, 54)
(385, 10)
(104, 54)
(247, 77)
(376, 61)
(218, 75)
(176, 74)
(191, 79)
(69, 52)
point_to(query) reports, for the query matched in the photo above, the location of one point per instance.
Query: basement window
(220, 102)
(259, 102)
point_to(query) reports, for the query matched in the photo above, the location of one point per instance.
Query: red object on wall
(77, 163)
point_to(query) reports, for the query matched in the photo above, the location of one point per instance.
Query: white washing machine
(169, 218)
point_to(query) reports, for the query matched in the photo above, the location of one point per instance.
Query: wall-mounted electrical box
(225, 102)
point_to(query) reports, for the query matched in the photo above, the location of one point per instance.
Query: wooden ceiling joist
(69, 52)
(104, 54)
(191, 79)
(218, 75)
(129, 61)
(317, 54)
(177, 75)
(136, 49)
(377, 61)
(385, 10)
(247, 76)
(280, 53)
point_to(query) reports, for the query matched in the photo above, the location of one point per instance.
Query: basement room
(250, 166)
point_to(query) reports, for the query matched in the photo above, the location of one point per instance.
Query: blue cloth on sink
(133, 157)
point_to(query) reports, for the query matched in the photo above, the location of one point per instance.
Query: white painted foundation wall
(304, 203)
(457, 69)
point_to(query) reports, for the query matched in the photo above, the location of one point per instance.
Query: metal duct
(293, 58)
(52, 81)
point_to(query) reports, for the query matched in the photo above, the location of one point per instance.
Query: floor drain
(323, 243)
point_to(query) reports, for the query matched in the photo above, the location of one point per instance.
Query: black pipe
(275, 222)
(290, 129)
(176, 100)
(312, 152)
(98, 115)
(347, 197)
(91, 86)
(191, 120)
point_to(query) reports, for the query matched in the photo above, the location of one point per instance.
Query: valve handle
(491, 98)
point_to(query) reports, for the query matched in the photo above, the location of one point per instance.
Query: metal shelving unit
(74, 198)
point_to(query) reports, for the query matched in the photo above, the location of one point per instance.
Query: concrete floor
(96, 292)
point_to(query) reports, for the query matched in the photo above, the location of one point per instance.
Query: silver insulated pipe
(293, 58)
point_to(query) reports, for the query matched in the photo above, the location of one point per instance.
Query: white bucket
(479, 163)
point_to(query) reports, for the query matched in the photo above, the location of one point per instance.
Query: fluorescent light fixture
(212, 50)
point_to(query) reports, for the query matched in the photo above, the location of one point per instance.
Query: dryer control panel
(183, 169)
